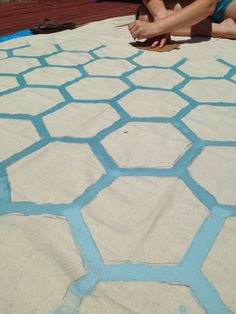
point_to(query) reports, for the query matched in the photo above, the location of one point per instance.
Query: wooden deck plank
(29, 13)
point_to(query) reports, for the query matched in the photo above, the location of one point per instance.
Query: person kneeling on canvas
(157, 19)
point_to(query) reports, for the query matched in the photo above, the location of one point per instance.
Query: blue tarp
(23, 33)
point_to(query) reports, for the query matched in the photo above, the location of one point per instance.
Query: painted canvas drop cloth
(117, 175)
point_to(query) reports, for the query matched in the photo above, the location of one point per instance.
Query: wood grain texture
(16, 16)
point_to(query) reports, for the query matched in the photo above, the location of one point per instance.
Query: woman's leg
(143, 14)
(225, 29)
(203, 28)
(230, 12)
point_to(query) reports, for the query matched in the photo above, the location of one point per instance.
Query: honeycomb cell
(11, 44)
(202, 50)
(115, 51)
(3, 55)
(51, 76)
(156, 78)
(15, 135)
(56, 173)
(213, 123)
(30, 101)
(145, 223)
(95, 88)
(148, 145)
(38, 245)
(78, 43)
(226, 53)
(69, 58)
(80, 120)
(109, 67)
(214, 169)
(140, 297)
(220, 265)
(35, 50)
(211, 90)
(206, 68)
(17, 65)
(161, 59)
(152, 103)
(7, 83)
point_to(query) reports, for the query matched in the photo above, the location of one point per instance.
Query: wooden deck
(29, 13)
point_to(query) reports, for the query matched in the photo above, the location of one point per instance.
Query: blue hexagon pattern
(104, 133)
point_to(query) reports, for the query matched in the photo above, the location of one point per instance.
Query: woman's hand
(148, 30)
(141, 30)
(159, 41)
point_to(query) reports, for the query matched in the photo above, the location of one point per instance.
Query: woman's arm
(190, 15)
(158, 11)
(156, 8)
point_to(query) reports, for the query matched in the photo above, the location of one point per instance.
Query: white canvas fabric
(143, 298)
(221, 262)
(61, 171)
(36, 269)
(11, 137)
(145, 226)
(117, 174)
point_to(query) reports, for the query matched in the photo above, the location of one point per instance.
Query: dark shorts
(218, 15)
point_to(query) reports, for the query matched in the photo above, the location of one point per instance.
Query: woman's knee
(143, 14)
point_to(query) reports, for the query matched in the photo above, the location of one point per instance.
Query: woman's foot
(226, 29)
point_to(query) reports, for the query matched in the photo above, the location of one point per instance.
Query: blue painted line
(203, 242)
(5, 194)
(220, 143)
(86, 285)
(29, 208)
(142, 272)
(115, 126)
(10, 90)
(230, 65)
(58, 47)
(184, 96)
(25, 152)
(7, 74)
(182, 309)
(130, 87)
(147, 172)
(54, 109)
(32, 68)
(186, 131)
(19, 34)
(207, 296)
(188, 271)
(184, 111)
(72, 140)
(102, 155)
(203, 195)
(188, 157)
(16, 116)
(91, 192)
(150, 119)
(40, 127)
(38, 85)
(119, 109)
(83, 239)
(218, 104)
